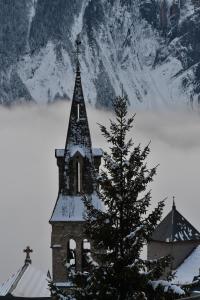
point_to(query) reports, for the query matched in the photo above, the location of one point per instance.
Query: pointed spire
(48, 274)
(175, 227)
(78, 129)
(173, 205)
(78, 91)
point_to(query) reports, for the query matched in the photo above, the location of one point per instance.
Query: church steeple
(77, 163)
(78, 147)
(78, 129)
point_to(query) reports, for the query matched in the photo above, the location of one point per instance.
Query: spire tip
(77, 44)
(174, 205)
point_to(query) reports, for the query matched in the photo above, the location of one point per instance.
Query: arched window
(71, 254)
(78, 112)
(78, 175)
(86, 245)
(86, 254)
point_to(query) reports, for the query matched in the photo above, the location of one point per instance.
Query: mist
(29, 176)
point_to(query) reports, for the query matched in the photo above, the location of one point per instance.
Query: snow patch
(189, 268)
(168, 287)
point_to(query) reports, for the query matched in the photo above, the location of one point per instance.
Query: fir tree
(121, 231)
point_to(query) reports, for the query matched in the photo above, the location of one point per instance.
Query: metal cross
(28, 250)
(78, 43)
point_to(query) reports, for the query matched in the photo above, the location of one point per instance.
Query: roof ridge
(23, 269)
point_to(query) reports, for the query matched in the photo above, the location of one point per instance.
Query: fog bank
(29, 181)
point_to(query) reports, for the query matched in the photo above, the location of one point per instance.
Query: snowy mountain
(151, 47)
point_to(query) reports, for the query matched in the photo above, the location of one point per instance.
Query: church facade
(78, 163)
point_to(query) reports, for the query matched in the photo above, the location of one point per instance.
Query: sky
(29, 176)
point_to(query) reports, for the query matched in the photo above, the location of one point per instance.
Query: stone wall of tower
(61, 234)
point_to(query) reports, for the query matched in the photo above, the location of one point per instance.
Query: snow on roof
(97, 151)
(174, 227)
(33, 283)
(6, 286)
(189, 268)
(60, 152)
(27, 282)
(76, 148)
(71, 208)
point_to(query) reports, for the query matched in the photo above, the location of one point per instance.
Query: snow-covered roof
(71, 208)
(97, 151)
(10, 282)
(76, 148)
(26, 282)
(175, 228)
(60, 152)
(189, 268)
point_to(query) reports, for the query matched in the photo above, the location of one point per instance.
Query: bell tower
(77, 164)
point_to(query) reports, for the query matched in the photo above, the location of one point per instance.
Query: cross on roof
(28, 250)
(78, 43)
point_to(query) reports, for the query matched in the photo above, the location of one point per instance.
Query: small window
(86, 244)
(71, 254)
(86, 254)
(78, 112)
(78, 175)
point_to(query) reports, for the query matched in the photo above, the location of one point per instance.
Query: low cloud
(29, 177)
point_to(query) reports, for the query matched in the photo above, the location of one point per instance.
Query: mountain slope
(151, 47)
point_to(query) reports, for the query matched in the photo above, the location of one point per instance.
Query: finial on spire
(28, 250)
(122, 89)
(174, 205)
(78, 43)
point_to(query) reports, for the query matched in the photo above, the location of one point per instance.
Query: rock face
(151, 47)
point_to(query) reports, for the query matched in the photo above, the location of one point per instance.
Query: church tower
(77, 164)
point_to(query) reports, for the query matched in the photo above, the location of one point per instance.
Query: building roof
(175, 228)
(71, 208)
(27, 282)
(190, 267)
(95, 152)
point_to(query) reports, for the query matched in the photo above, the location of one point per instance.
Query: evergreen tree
(117, 270)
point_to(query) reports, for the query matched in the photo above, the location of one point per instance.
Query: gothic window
(78, 176)
(86, 252)
(71, 254)
(86, 245)
(78, 112)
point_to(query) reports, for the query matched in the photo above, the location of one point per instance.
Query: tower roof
(78, 129)
(175, 227)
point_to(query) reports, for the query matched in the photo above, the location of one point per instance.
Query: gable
(175, 227)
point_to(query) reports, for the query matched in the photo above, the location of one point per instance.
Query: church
(77, 164)
(177, 237)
